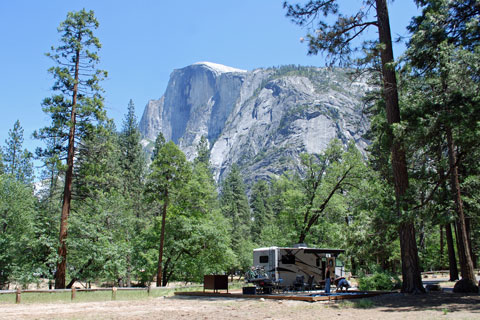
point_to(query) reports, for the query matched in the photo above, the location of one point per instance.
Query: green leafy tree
(50, 199)
(336, 39)
(310, 205)
(17, 212)
(169, 171)
(198, 235)
(76, 104)
(98, 223)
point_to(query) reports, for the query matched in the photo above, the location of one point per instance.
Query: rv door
(272, 261)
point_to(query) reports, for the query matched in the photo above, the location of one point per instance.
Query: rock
(465, 286)
(261, 119)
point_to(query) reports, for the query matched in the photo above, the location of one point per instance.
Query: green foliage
(17, 239)
(75, 107)
(169, 171)
(197, 236)
(235, 208)
(203, 152)
(159, 143)
(262, 213)
(305, 202)
(133, 162)
(77, 45)
(100, 226)
(15, 160)
(379, 281)
(441, 85)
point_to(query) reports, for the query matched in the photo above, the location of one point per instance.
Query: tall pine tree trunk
(67, 192)
(468, 223)
(162, 238)
(442, 246)
(466, 263)
(452, 260)
(412, 280)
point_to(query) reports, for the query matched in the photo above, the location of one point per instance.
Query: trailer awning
(334, 252)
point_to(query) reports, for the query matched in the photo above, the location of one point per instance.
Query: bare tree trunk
(441, 248)
(452, 260)
(67, 192)
(412, 280)
(466, 263)
(162, 238)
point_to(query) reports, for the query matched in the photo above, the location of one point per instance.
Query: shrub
(379, 281)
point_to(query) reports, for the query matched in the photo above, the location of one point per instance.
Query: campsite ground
(434, 305)
(444, 305)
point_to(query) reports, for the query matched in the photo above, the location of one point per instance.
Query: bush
(379, 281)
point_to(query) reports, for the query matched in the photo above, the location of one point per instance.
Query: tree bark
(466, 263)
(441, 248)
(67, 192)
(162, 238)
(452, 260)
(412, 280)
(468, 223)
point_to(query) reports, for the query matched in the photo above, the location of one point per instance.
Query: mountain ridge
(261, 119)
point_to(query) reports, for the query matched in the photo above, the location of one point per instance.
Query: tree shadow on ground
(430, 301)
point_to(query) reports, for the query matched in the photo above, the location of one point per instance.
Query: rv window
(288, 259)
(263, 259)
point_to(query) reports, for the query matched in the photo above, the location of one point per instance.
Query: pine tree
(76, 104)
(235, 208)
(158, 145)
(203, 152)
(441, 54)
(133, 165)
(17, 161)
(336, 40)
(262, 212)
(2, 166)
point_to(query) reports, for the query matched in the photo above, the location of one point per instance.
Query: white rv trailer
(288, 263)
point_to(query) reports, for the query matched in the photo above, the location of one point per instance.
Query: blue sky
(143, 41)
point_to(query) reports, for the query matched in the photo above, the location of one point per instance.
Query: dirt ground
(434, 305)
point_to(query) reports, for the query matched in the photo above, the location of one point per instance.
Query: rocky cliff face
(262, 119)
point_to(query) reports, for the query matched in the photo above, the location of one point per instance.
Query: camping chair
(310, 283)
(278, 285)
(299, 284)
